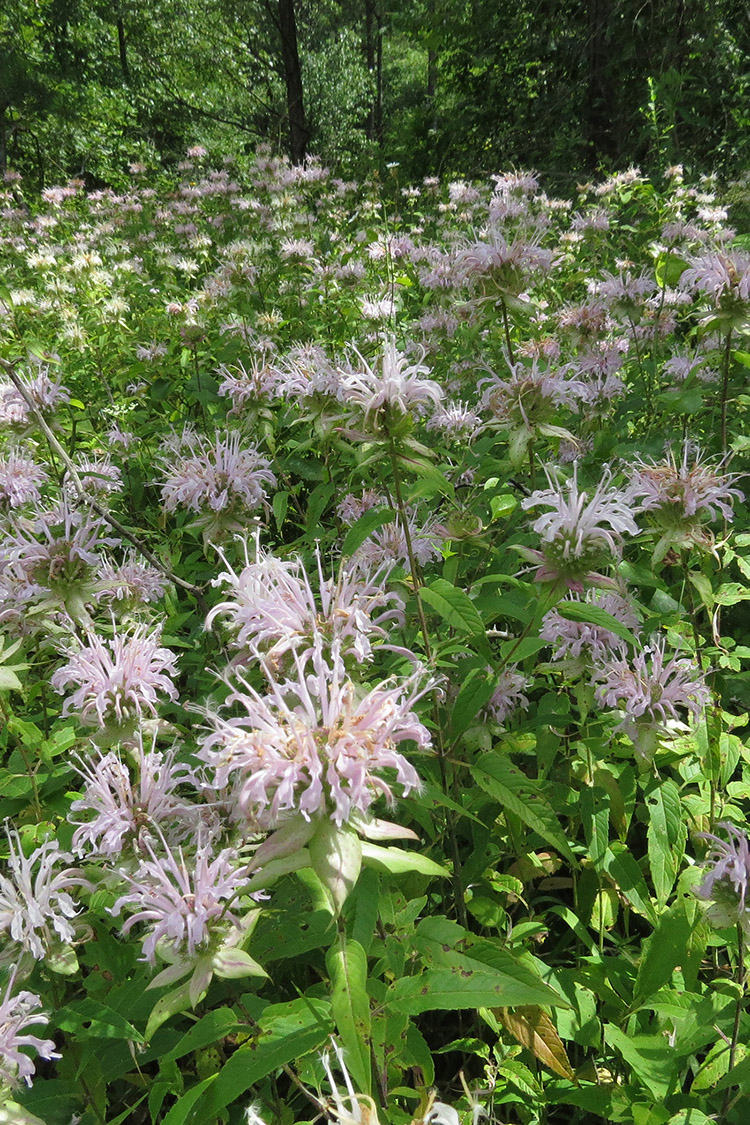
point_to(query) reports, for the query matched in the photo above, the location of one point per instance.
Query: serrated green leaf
(522, 797)
(595, 803)
(666, 837)
(346, 962)
(209, 1029)
(452, 989)
(89, 1019)
(663, 951)
(453, 605)
(475, 692)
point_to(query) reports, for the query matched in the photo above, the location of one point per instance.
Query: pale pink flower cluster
(181, 900)
(57, 555)
(651, 690)
(130, 582)
(116, 811)
(273, 608)
(17, 1014)
(456, 420)
(387, 545)
(46, 393)
(508, 695)
(399, 386)
(117, 681)
(581, 529)
(35, 907)
(20, 480)
(249, 386)
(217, 478)
(583, 638)
(352, 507)
(722, 275)
(508, 265)
(680, 492)
(317, 742)
(527, 396)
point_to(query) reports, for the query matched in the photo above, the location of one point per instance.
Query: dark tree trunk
(298, 134)
(123, 49)
(600, 106)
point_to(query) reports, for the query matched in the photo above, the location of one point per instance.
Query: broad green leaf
(451, 989)
(595, 615)
(669, 269)
(739, 1075)
(667, 835)
(319, 500)
(716, 1064)
(444, 944)
(280, 504)
(645, 1054)
(398, 862)
(622, 867)
(522, 797)
(663, 951)
(179, 1112)
(692, 1116)
(364, 527)
(475, 692)
(453, 605)
(177, 1000)
(209, 1029)
(88, 1019)
(9, 681)
(346, 962)
(286, 1032)
(595, 802)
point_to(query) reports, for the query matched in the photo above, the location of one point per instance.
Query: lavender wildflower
(682, 497)
(651, 691)
(220, 481)
(316, 743)
(508, 695)
(34, 899)
(275, 610)
(579, 533)
(397, 390)
(17, 1014)
(581, 640)
(117, 682)
(127, 811)
(525, 403)
(182, 902)
(20, 480)
(725, 884)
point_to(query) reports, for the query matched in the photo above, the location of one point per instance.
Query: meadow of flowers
(373, 651)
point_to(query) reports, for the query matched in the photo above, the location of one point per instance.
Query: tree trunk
(298, 133)
(123, 49)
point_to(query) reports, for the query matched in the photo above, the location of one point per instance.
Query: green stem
(725, 390)
(740, 978)
(506, 326)
(417, 580)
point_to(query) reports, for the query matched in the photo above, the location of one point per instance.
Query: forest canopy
(436, 86)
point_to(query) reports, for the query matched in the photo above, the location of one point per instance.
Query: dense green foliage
(440, 86)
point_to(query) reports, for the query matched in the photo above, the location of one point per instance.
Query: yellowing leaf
(534, 1030)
